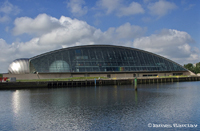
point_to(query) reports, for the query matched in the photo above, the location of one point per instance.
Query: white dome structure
(19, 66)
(59, 66)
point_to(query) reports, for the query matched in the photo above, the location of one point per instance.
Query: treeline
(191, 67)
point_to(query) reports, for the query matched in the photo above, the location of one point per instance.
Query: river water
(164, 106)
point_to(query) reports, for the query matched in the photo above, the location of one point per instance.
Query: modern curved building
(102, 60)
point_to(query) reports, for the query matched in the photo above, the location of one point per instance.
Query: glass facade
(101, 58)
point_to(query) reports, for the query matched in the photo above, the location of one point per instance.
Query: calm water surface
(102, 108)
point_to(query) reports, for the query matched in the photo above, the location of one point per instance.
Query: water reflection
(103, 107)
(16, 101)
(136, 97)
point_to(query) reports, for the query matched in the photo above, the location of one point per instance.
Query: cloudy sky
(170, 28)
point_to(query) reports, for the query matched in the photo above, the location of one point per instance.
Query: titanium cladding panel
(19, 66)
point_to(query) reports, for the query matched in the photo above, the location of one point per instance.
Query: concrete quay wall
(82, 83)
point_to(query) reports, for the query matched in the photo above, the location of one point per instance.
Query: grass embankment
(62, 79)
(167, 76)
(172, 76)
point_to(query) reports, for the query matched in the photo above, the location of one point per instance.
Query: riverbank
(93, 82)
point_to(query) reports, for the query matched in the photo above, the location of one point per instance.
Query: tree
(198, 65)
(192, 68)
(189, 66)
(196, 70)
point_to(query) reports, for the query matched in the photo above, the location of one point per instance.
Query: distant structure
(98, 60)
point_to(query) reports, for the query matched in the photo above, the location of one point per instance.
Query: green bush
(191, 67)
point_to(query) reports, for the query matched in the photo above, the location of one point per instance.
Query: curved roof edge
(21, 59)
(102, 45)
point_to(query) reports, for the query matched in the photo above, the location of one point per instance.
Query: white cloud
(72, 31)
(77, 8)
(66, 30)
(132, 9)
(5, 18)
(109, 5)
(130, 31)
(146, 19)
(116, 6)
(7, 28)
(146, 1)
(7, 9)
(6, 53)
(171, 44)
(38, 26)
(161, 7)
